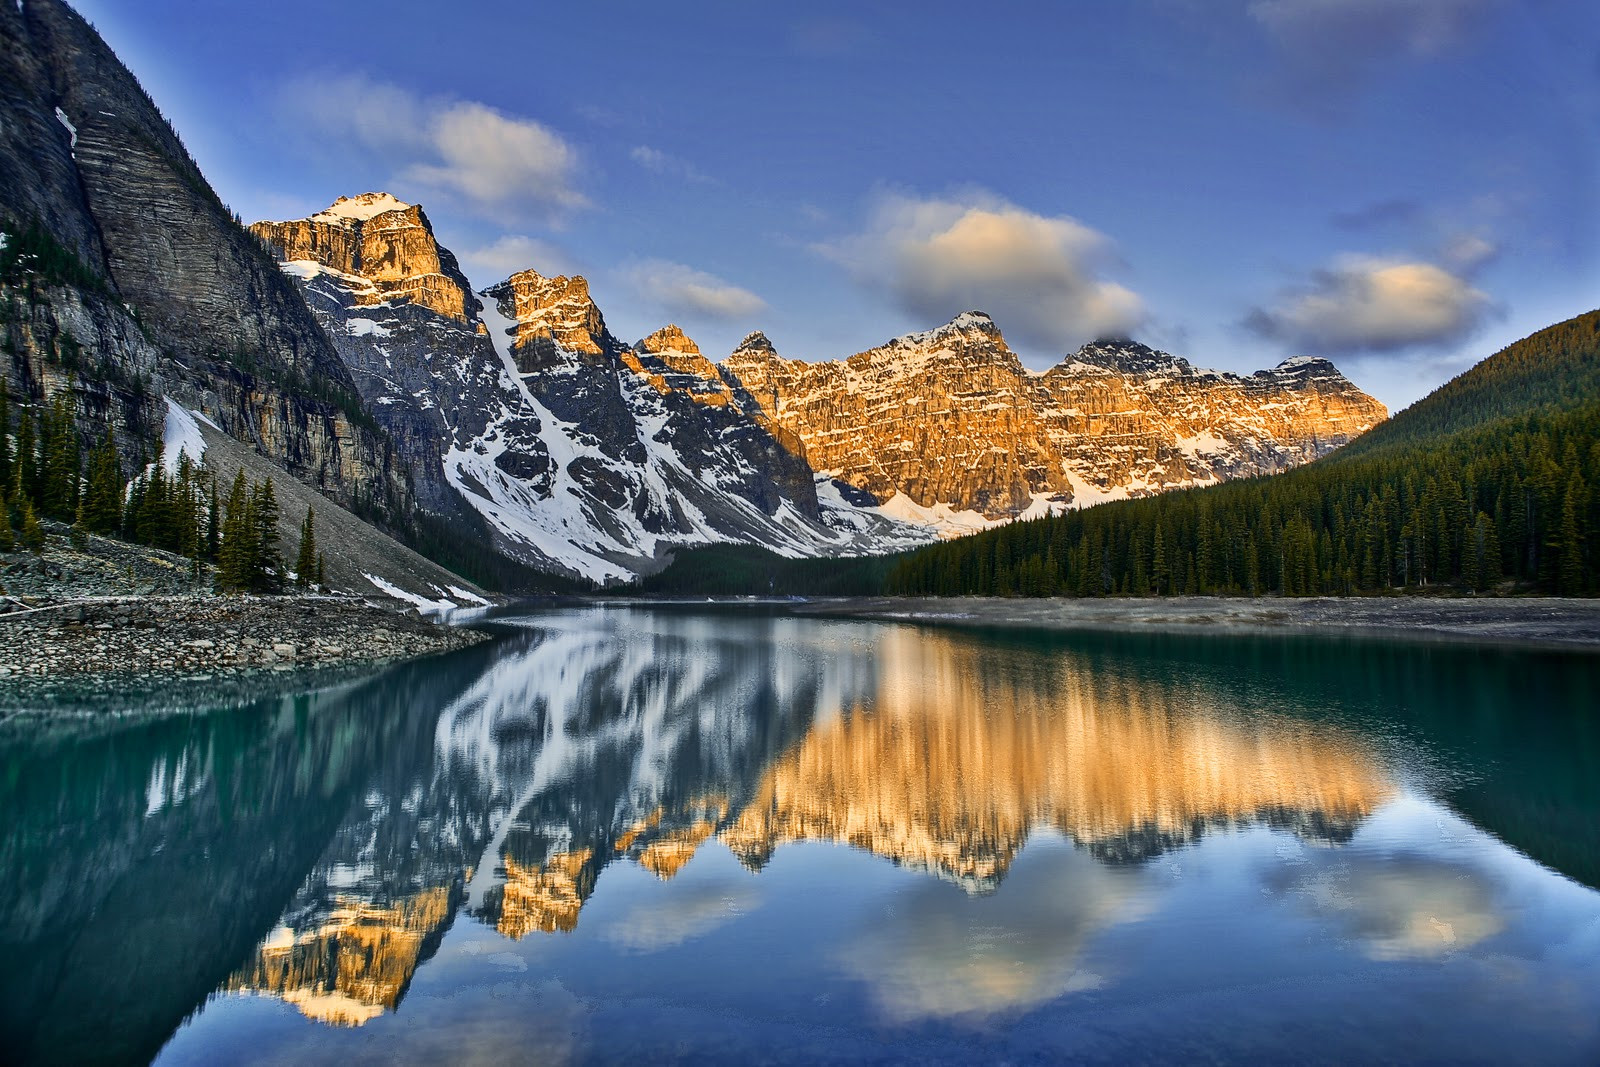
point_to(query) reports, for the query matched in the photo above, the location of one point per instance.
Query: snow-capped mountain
(519, 410)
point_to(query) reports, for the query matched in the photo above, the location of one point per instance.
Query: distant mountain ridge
(951, 421)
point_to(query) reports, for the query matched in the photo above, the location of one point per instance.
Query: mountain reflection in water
(343, 832)
(592, 743)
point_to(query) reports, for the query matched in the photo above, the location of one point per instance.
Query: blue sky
(1401, 185)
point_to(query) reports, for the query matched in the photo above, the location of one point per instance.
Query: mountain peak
(963, 327)
(397, 259)
(972, 320)
(1130, 357)
(668, 339)
(756, 344)
(363, 207)
(1304, 363)
(558, 309)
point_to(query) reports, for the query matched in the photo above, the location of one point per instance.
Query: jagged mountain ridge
(949, 420)
(594, 457)
(518, 408)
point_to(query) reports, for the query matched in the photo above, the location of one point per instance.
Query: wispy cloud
(1377, 215)
(487, 264)
(664, 163)
(463, 148)
(1040, 276)
(1329, 49)
(1366, 304)
(682, 289)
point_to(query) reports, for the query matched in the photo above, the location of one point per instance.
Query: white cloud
(511, 253)
(1368, 304)
(491, 159)
(1400, 906)
(1038, 275)
(1465, 252)
(680, 288)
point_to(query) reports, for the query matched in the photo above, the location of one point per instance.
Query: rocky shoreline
(1547, 622)
(209, 636)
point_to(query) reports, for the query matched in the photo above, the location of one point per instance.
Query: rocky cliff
(948, 427)
(167, 293)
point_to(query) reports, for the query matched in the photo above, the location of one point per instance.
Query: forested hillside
(1491, 482)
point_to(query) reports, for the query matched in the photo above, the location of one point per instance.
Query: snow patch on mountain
(360, 208)
(179, 434)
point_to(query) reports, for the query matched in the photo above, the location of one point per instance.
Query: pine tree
(264, 515)
(59, 460)
(213, 521)
(236, 551)
(306, 561)
(1569, 543)
(23, 481)
(8, 536)
(102, 499)
(32, 532)
(5, 438)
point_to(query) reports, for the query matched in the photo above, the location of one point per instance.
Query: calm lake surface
(653, 834)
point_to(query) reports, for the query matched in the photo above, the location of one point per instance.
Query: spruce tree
(22, 484)
(5, 438)
(1569, 541)
(102, 499)
(306, 561)
(59, 459)
(32, 532)
(213, 521)
(236, 550)
(264, 515)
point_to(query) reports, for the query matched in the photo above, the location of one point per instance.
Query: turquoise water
(620, 834)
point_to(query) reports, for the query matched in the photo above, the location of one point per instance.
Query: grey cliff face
(190, 304)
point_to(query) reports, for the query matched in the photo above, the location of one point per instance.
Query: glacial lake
(666, 835)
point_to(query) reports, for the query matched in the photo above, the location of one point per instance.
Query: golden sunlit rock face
(951, 416)
(549, 312)
(379, 241)
(356, 965)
